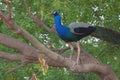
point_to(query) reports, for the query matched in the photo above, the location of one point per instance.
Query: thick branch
(85, 58)
(11, 57)
(16, 44)
(28, 51)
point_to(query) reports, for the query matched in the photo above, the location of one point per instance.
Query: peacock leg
(72, 49)
(78, 56)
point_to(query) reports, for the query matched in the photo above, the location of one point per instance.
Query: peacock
(72, 33)
(78, 30)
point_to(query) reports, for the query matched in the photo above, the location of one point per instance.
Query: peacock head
(55, 13)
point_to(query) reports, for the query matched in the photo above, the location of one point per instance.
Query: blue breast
(64, 32)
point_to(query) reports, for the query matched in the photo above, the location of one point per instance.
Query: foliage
(97, 12)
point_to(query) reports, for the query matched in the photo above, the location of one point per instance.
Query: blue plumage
(73, 32)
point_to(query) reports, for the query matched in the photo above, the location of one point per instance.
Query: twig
(16, 68)
(34, 75)
(61, 50)
(8, 9)
(36, 20)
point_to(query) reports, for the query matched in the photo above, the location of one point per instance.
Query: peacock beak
(53, 12)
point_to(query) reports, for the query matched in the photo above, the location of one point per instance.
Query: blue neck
(57, 20)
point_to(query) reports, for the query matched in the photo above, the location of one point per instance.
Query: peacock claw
(74, 66)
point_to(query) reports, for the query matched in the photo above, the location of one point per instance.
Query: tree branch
(24, 48)
(36, 20)
(16, 68)
(11, 57)
(60, 50)
(8, 9)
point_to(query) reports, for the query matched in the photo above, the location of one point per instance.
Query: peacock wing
(79, 28)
